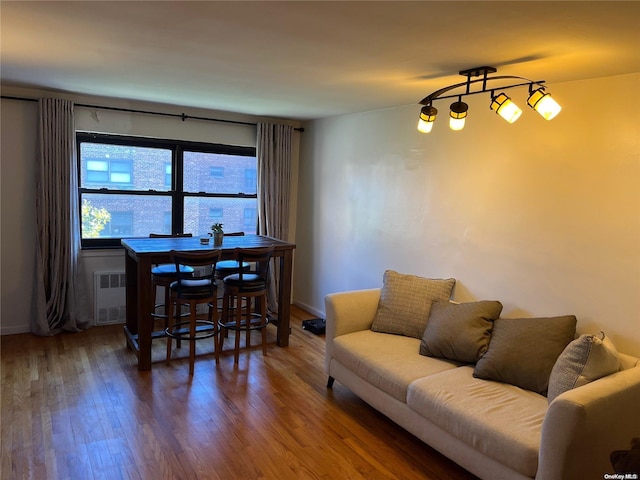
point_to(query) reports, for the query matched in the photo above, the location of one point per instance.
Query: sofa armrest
(348, 312)
(584, 425)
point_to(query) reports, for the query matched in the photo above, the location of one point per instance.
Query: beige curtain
(274, 172)
(60, 300)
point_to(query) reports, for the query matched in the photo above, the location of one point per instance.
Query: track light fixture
(427, 117)
(458, 114)
(542, 103)
(501, 103)
(504, 107)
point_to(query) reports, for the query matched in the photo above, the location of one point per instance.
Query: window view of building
(130, 187)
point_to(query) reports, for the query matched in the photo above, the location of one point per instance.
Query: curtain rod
(181, 116)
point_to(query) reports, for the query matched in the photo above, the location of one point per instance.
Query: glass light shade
(504, 107)
(542, 103)
(456, 123)
(427, 117)
(424, 127)
(458, 115)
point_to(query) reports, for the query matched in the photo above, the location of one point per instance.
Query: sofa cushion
(523, 351)
(405, 301)
(389, 362)
(586, 359)
(502, 421)
(459, 331)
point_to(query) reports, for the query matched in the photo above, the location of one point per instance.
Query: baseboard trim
(14, 330)
(309, 308)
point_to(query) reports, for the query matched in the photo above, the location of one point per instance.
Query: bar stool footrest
(164, 315)
(253, 325)
(204, 329)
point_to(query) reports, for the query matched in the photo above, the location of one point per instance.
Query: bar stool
(225, 268)
(194, 290)
(248, 285)
(161, 276)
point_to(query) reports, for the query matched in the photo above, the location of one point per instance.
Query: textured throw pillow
(460, 331)
(523, 351)
(586, 359)
(405, 301)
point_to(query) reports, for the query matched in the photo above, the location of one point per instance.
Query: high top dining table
(142, 253)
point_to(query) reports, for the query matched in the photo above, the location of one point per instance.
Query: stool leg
(248, 322)
(236, 353)
(225, 318)
(192, 334)
(170, 330)
(213, 318)
(168, 305)
(263, 317)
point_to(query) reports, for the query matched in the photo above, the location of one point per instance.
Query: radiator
(109, 297)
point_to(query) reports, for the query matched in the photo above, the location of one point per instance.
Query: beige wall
(543, 216)
(18, 163)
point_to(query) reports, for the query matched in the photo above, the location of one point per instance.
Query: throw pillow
(405, 301)
(460, 331)
(523, 351)
(586, 359)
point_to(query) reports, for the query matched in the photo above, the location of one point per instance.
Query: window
(250, 178)
(167, 175)
(109, 172)
(121, 224)
(132, 186)
(215, 215)
(250, 218)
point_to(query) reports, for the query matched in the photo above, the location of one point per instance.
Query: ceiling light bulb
(542, 103)
(504, 107)
(427, 117)
(458, 115)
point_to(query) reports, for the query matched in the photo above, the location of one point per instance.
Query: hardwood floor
(74, 406)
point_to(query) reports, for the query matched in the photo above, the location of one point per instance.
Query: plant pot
(217, 239)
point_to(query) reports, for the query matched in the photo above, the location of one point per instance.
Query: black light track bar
(476, 72)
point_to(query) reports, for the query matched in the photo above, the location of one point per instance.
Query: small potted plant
(218, 233)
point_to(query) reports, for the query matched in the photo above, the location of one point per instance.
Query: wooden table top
(141, 246)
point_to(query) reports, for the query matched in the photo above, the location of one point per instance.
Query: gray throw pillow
(523, 351)
(460, 331)
(586, 359)
(405, 302)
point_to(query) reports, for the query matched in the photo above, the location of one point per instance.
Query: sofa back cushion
(405, 302)
(587, 358)
(459, 331)
(523, 351)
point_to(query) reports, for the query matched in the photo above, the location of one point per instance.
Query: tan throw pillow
(523, 351)
(586, 359)
(460, 331)
(405, 301)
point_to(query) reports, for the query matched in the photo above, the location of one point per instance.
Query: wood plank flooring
(74, 406)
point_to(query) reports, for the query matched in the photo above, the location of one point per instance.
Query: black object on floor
(315, 325)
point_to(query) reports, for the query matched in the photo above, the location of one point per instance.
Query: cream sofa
(492, 429)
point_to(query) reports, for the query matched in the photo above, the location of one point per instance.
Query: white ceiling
(305, 60)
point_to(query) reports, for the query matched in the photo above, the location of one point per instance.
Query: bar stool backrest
(202, 278)
(258, 258)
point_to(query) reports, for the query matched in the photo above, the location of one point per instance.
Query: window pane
(219, 173)
(123, 167)
(98, 165)
(120, 178)
(230, 212)
(115, 216)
